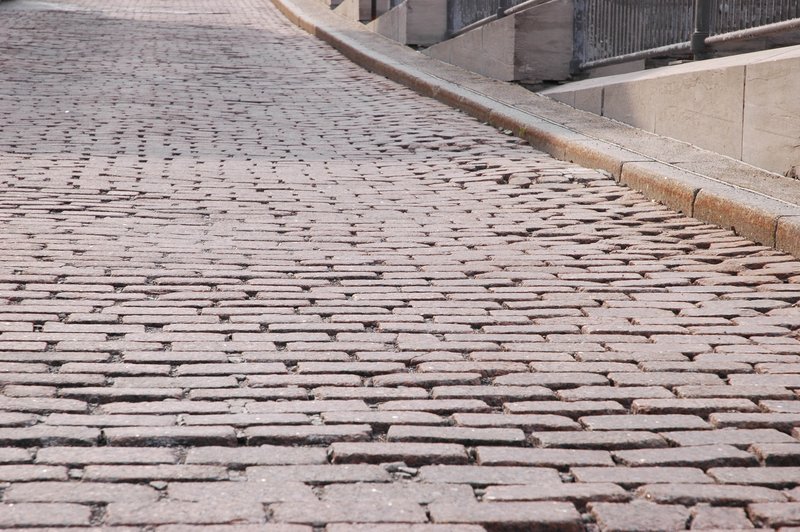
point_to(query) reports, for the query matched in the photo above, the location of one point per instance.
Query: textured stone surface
(238, 268)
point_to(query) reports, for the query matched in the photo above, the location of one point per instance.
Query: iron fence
(463, 13)
(616, 31)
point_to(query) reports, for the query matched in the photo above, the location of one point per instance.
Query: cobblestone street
(244, 281)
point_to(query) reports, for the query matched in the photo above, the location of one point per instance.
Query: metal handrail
(506, 8)
(606, 39)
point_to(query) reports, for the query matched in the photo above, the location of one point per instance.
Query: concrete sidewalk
(755, 203)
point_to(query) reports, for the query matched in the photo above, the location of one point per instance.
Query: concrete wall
(360, 10)
(533, 45)
(417, 22)
(746, 106)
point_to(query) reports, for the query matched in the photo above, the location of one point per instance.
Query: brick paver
(243, 281)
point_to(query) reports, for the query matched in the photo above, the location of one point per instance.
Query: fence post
(578, 36)
(702, 29)
(503, 5)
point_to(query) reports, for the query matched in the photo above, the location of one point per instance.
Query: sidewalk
(247, 285)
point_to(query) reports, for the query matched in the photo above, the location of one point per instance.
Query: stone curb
(730, 193)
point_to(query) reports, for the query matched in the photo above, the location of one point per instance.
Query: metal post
(702, 29)
(374, 12)
(578, 36)
(503, 5)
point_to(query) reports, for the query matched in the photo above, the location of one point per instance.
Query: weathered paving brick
(644, 422)
(533, 516)
(699, 407)
(634, 476)
(691, 494)
(45, 435)
(777, 454)
(162, 512)
(170, 436)
(319, 474)
(79, 492)
(263, 492)
(492, 394)
(307, 434)
(775, 514)
(306, 407)
(484, 476)
(696, 456)
(573, 409)
(527, 422)
(641, 516)
(29, 472)
(611, 439)
(557, 458)
(738, 437)
(147, 473)
(405, 527)
(262, 455)
(413, 454)
(348, 511)
(714, 518)
(421, 493)
(579, 494)
(778, 477)
(463, 435)
(104, 455)
(43, 514)
(382, 420)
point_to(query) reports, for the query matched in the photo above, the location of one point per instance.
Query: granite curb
(755, 203)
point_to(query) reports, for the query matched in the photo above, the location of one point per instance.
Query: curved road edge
(713, 188)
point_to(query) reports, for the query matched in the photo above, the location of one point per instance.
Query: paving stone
(463, 435)
(774, 514)
(43, 514)
(578, 494)
(263, 492)
(697, 456)
(484, 476)
(375, 527)
(527, 422)
(138, 473)
(261, 455)
(348, 511)
(610, 439)
(777, 454)
(76, 456)
(416, 492)
(413, 454)
(639, 516)
(557, 458)
(699, 407)
(307, 434)
(164, 512)
(777, 477)
(644, 422)
(78, 492)
(714, 518)
(318, 474)
(635, 476)
(170, 436)
(533, 516)
(691, 494)
(738, 437)
(573, 409)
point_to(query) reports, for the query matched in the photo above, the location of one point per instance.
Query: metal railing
(463, 14)
(609, 32)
